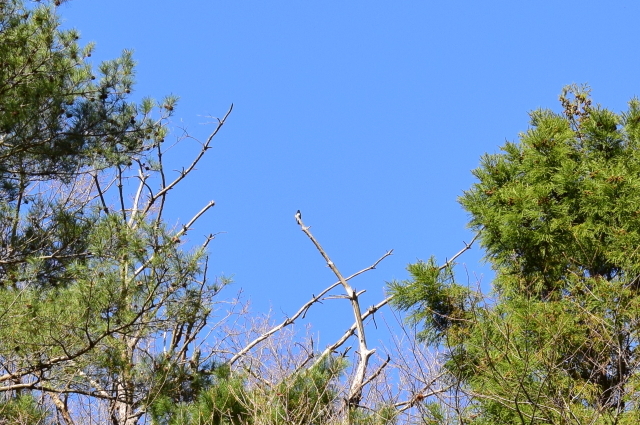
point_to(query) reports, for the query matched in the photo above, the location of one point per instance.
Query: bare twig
(206, 146)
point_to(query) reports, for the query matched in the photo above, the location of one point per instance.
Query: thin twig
(186, 171)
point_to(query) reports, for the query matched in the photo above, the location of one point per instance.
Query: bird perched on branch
(298, 217)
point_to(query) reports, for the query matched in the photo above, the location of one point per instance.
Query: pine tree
(558, 215)
(91, 277)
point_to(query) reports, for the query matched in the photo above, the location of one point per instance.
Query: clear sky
(366, 115)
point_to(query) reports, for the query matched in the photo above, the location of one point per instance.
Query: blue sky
(366, 115)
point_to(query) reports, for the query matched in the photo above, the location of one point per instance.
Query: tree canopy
(106, 315)
(89, 276)
(558, 215)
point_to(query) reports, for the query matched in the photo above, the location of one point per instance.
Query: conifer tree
(90, 275)
(558, 215)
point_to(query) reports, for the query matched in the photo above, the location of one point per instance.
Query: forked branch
(355, 391)
(301, 312)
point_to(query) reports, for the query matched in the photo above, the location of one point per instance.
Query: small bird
(298, 217)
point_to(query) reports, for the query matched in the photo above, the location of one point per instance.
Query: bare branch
(355, 393)
(176, 238)
(134, 210)
(301, 312)
(459, 253)
(62, 408)
(185, 172)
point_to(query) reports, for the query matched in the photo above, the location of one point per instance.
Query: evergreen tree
(89, 279)
(306, 397)
(558, 214)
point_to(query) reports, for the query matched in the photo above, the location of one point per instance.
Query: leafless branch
(206, 146)
(301, 312)
(355, 393)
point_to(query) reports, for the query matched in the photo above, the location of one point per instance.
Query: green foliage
(23, 410)
(59, 121)
(100, 304)
(558, 215)
(434, 299)
(89, 279)
(305, 398)
(383, 415)
(223, 402)
(56, 113)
